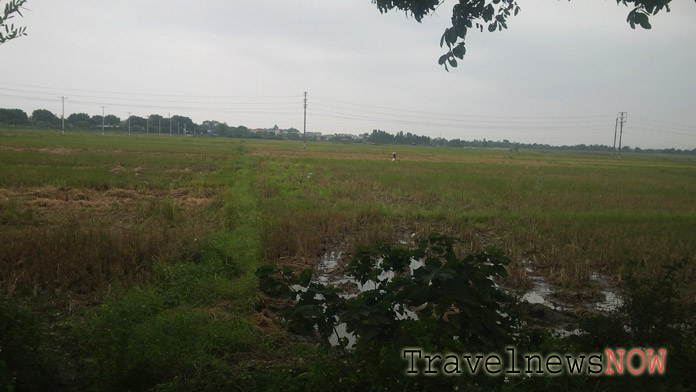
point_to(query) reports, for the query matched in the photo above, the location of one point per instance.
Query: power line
(665, 131)
(266, 107)
(328, 108)
(460, 118)
(148, 94)
(650, 134)
(164, 103)
(523, 127)
(151, 100)
(668, 124)
(260, 110)
(490, 122)
(460, 115)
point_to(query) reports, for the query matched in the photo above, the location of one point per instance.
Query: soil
(43, 150)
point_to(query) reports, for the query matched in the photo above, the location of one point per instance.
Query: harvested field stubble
(79, 240)
(81, 212)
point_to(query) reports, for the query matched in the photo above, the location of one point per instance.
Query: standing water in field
(612, 299)
(550, 308)
(543, 292)
(331, 270)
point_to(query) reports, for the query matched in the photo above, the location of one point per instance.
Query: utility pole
(103, 107)
(159, 124)
(621, 123)
(305, 121)
(129, 116)
(616, 124)
(147, 125)
(170, 124)
(62, 116)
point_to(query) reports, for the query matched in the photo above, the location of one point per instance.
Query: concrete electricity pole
(616, 124)
(103, 107)
(621, 123)
(62, 116)
(305, 121)
(129, 116)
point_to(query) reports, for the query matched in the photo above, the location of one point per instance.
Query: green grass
(104, 162)
(193, 325)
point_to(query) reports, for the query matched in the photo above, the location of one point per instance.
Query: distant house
(313, 135)
(344, 137)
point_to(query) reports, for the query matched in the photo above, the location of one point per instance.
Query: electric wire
(356, 113)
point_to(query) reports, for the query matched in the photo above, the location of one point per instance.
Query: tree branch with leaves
(492, 15)
(9, 31)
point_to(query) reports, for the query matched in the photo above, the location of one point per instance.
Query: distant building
(314, 135)
(347, 137)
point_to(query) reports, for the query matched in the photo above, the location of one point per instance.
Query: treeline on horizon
(45, 119)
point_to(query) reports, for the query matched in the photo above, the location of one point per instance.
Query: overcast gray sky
(558, 75)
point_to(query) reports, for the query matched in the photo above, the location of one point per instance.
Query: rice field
(117, 239)
(567, 214)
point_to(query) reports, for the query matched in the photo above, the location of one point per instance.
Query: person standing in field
(393, 156)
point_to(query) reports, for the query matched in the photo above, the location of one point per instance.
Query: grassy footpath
(193, 325)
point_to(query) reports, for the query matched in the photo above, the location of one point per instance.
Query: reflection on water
(331, 271)
(542, 292)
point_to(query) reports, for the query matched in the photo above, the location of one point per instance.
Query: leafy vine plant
(453, 301)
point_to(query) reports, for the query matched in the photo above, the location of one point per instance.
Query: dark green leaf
(266, 270)
(643, 20)
(487, 14)
(459, 51)
(305, 277)
(451, 36)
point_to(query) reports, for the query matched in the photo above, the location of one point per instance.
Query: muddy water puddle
(332, 270)
(612, 298)
(546, 293)
(542, 296)
(548, 309)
